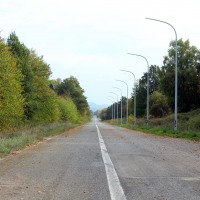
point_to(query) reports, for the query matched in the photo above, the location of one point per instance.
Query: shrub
(158, 104)
(68, 110)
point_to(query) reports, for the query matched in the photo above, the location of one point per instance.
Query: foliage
(11, 100)
(141, 90)
(188, 76)
(21, 53)
(68, 110)
(158, 105)
(106, 114)
(29, 135)
(188, 126)
(54, 84)
(102, 114)
(43, 103)
(27, 96)
(40, 100)
(71, 87)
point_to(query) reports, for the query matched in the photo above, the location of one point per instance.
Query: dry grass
(16, 140)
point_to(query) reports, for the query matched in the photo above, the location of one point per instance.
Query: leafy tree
(71, 87)
(54, 84)
(141, 99)
(68, 110)
(141, 90)
(43, 100)
(22, 53)
(11, 100)
(158, 105)
(40, 100)
(103, 115)
(188, 69)
(108, 113)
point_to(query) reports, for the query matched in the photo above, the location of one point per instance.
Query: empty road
(102, 162)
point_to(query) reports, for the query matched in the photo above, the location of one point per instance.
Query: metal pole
(126, 100)
(134, 94)
(117, 105)
(176, 74)
(147, 122)
(121, 101)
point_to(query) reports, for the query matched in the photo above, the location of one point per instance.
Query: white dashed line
(116, 190)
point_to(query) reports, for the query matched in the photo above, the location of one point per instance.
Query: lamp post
(114, 105)
(176, 74)
(117, 104)
(147, 122)
(121, 101)
(134, 94)
(111, 107)
(126, 100)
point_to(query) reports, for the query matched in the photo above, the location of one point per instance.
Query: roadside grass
(188, 125)
(19, 139)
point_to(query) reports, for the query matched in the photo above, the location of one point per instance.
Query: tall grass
(16, 140)
(188, 125)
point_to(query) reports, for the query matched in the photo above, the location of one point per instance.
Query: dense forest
(27, 95)
(162, 85)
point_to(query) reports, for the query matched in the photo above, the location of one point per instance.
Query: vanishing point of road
(100, 161)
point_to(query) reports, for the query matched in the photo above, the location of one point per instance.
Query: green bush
(158, 104)
(68, 110)
(46, 107)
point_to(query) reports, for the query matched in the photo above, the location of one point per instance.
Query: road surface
(100, 161)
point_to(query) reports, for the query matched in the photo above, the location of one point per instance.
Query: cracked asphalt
(70, 166)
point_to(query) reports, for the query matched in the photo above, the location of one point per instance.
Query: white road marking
(116, 190)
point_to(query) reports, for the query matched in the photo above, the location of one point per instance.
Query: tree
(11, 100)
(22, 53)
(103, 115)
(68, 110)
(188, 69)
(40, 101)
(43, 100)
(158, 106)
(71, 87)
(141, 90)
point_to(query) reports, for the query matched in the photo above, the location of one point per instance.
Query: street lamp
(121, 101)
(111, 107)
(117, 104)
(134, 94)
(126, 100)
(176, 74)
(114, 105)
(147, 122)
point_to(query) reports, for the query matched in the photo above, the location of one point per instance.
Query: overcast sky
(89, 39)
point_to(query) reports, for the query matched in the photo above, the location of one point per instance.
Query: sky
(90, 39)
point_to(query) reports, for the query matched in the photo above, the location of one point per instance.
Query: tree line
(162, 84)
(27, 95)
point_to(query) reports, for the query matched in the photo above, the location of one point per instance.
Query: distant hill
(94, 107)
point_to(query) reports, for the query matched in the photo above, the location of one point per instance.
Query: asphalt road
(99, 161)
